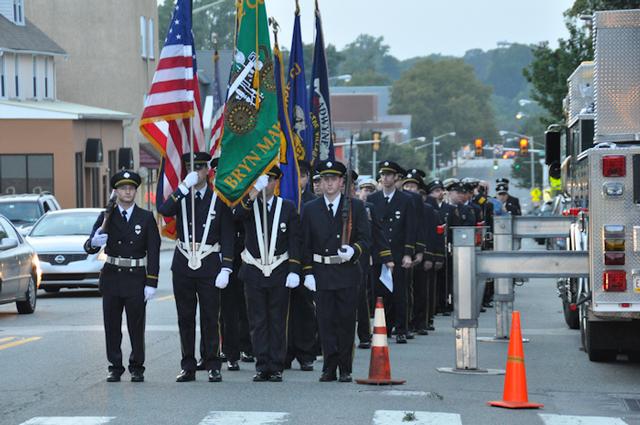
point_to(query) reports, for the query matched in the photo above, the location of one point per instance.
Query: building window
(16, 70)
(35, 74)
(152, 37)
(79, 181)
(26, 173)
(46, 77)
(18, 17)
(143, 37)
(2, 74)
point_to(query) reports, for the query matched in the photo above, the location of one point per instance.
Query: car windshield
(20, 212)
(65, 224)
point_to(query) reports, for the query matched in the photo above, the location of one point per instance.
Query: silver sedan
(58, 238)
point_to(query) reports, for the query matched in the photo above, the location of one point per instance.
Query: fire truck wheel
(570, 317)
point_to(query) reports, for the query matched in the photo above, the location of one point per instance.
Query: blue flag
(289, 186)
(297, 102)
(320, 109)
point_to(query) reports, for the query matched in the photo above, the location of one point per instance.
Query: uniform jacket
(398, 222)
(322, 235)
(513, 205)
(307, 196)
(442, 212)
(380, 250)
(421, 230)
(136, 238)
(221, 231)
(288, 240)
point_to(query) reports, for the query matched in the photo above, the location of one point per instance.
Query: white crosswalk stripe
(550, 419)
(244, 418)
(393, 417)
(69, 420)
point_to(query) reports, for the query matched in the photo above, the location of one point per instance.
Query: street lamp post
(434, 143)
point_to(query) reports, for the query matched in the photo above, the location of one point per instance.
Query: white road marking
(405, 393)
(394, 417)
(244, 418)
(550, 419)
(69, 420)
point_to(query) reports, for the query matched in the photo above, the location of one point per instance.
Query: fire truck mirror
(552, 147)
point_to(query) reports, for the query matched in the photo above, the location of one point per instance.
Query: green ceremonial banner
(252, 135)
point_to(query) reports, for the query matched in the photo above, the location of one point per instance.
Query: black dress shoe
(401, 339)
(186, 376)
(233, 365)
(247, 358)
(327, 377)
(260, 377)
(200, 365)
(364, 344)
(215, 376)
(410, 335)
(345, 377)
(446, 313)
(431, 327)
(287, 365)
(423, 332)
(113, 376)
(223, 357)
(306, 366)
(275, 377)
(482, 309)
(137, 376)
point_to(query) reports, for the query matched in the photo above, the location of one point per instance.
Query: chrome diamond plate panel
(608, 210)
(616, 76)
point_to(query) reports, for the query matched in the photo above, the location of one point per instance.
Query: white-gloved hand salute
(189, 181)
(222, 280)
(99, 239)
(261, 183)
(346, 252)
(310, 282)
(293, 280)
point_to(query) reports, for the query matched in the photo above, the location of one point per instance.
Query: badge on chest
(137, 229)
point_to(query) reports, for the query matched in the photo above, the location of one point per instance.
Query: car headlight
(36, 262)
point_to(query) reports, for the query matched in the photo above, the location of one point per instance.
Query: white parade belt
(266, 269)
(127, 262)
(329, 259)
(202, 250)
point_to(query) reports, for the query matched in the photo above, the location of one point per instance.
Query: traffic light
(524, 146)
(479, 144)
(376, 140)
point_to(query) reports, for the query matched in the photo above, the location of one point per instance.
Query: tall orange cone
(379, 366)
(515, 380)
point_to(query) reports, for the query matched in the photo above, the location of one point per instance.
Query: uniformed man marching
(510, 204)
(271, 264)
(395, 211)
(330, 265)
(129, 277)
(195, 272)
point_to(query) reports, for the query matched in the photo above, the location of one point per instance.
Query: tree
(368, 61)
(219, 20)
(444, 96)
(401, 154)
(550, 68)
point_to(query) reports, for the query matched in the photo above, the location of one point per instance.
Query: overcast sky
(421, 27)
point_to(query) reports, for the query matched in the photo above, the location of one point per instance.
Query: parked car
(25, 209)
(58, 238)
(19, 269)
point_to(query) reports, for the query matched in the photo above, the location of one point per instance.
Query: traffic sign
(536, 193)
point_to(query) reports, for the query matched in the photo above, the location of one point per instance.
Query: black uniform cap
(275, 171)
(329, 167)
(389, 167)
(200, 160)
(502, 188)
(433, 185)
(125, 177)
(503, 180)
(413, 178)
(214, 163)
(417, 171)
(453, 185)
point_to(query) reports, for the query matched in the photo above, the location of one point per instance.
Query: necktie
(198, 197)
(386, 199)
(331, 209)
(124, 215)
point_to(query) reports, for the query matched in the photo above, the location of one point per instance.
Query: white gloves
(345, 252)
(261, 183)
(99, 239)
(222, 280)
(149, 292)
(310, 282)
(293, 280)
(189, 181)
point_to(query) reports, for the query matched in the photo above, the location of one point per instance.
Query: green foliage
(402, 154)
(521, 171)
(444, 96)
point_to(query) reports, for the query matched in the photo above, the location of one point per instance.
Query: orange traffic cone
(515, 380)
(379, 366)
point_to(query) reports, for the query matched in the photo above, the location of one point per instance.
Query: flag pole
(191, 160)
(265, 227)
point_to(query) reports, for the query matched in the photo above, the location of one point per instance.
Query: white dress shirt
(334, 204)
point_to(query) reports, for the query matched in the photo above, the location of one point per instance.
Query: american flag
(172, 103)
(217, 122)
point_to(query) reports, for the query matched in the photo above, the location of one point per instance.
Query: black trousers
(432, 295)
(364, 324)
(188, 292)
(443, 287)
(420, 297)
(112, 308)
(396, 302)
(267, 312)
(302, 326)
(336, 311)
(235, 329)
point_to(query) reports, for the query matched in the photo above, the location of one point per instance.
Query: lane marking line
(394, 417)
(19, 342)
(6, 339)
(165, 298)
(244, 418)
(551, 419)
(69, 420)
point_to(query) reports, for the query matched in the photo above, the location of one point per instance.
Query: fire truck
(596, 156)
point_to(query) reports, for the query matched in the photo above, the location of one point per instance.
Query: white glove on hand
(149, 293)
(189, 181)
(293, 280)
(99, 239)
(261, 183)
(310, 282)
(345, 252)
(222, 280)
